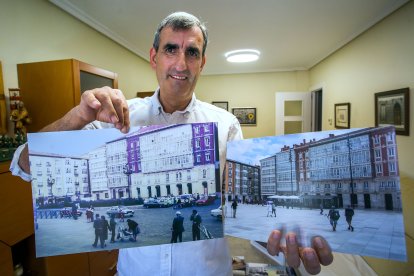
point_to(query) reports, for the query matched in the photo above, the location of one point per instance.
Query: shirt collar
(157, 107)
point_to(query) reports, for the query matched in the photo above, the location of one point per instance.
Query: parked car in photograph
(206, 200)
(218, 213)
(166, 202)
(152, 203)
(185, 200)
(68, 213)
(117, 211)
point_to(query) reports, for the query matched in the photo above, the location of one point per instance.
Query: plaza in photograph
(353, 168)
(155, 168)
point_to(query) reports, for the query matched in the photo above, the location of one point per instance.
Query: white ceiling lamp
(244, 55)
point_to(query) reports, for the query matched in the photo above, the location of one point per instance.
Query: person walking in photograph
(349, 213)
(273, 209)
(321, 207)
(104, 231)
(269, 209)
(234, 207)
(196, 219)
(333, 216)
(97, 225)
(112, 226)
(177, 228)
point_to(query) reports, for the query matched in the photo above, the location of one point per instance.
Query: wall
(379, 60)
(252, 90)
(37, 30)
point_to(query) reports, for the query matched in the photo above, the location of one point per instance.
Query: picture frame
(393, 108)
(246, 115)
(223, 105)
(144, 94)
(343, 115)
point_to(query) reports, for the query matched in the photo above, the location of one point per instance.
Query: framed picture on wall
(342, 115)
(393, 108)
(246, 115)
(224, 105)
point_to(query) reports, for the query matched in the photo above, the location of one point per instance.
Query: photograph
(342, 115)
(245, 115)
(342, 185)
(102, 189)
(393, 108)
(224, 105)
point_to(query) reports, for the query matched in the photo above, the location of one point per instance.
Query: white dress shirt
(205, 257)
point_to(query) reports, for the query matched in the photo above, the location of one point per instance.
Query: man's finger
(292, 250)
(310, 260)
(323, 250)
(273, 243)
(126, 126)
(89, 98)
(107, 112)
(121, 108)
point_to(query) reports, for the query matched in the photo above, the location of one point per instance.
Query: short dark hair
(180, 21)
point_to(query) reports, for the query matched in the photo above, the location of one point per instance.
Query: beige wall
(381, 59)
(252, 90)
(36, 30)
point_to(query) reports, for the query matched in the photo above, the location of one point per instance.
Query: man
(104, 231)
(349, 213)
(178, 57)
(112, 226)
(333, 216)
(98, 230)
(196, 219)
(234, 207)
(273, 209)
(133, 228)
(177, 228)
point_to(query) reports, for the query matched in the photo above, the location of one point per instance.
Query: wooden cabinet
(50, 89)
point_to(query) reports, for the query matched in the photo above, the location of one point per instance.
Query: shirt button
(186, 115)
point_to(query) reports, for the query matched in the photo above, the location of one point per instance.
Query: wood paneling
(50, 89)
(16, 208)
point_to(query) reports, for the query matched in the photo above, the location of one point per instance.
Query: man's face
(178, 61)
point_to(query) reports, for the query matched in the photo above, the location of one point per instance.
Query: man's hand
(106, 105)
(312, 257)
(103, 104)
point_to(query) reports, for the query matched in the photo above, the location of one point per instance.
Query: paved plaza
(58, 236)
(377, 233)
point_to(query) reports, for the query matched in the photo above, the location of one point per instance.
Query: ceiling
(290, 34)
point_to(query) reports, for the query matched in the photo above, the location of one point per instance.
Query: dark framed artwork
(343, 115)
(393, 108)
(224, 105)
(145, 94)
(246, 115)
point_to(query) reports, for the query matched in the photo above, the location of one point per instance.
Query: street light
(291, 172)
(127, 171)
(350, 171)
(50, 182)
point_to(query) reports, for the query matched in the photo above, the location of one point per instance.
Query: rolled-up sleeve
(15, 168)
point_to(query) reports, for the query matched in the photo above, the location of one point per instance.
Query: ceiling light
(244, 55)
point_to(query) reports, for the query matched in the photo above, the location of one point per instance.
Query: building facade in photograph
(98, 173)
(174, 160)
(59, 178)
(153, 161)
(279, 174)
(359, 168)
(242, 181)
